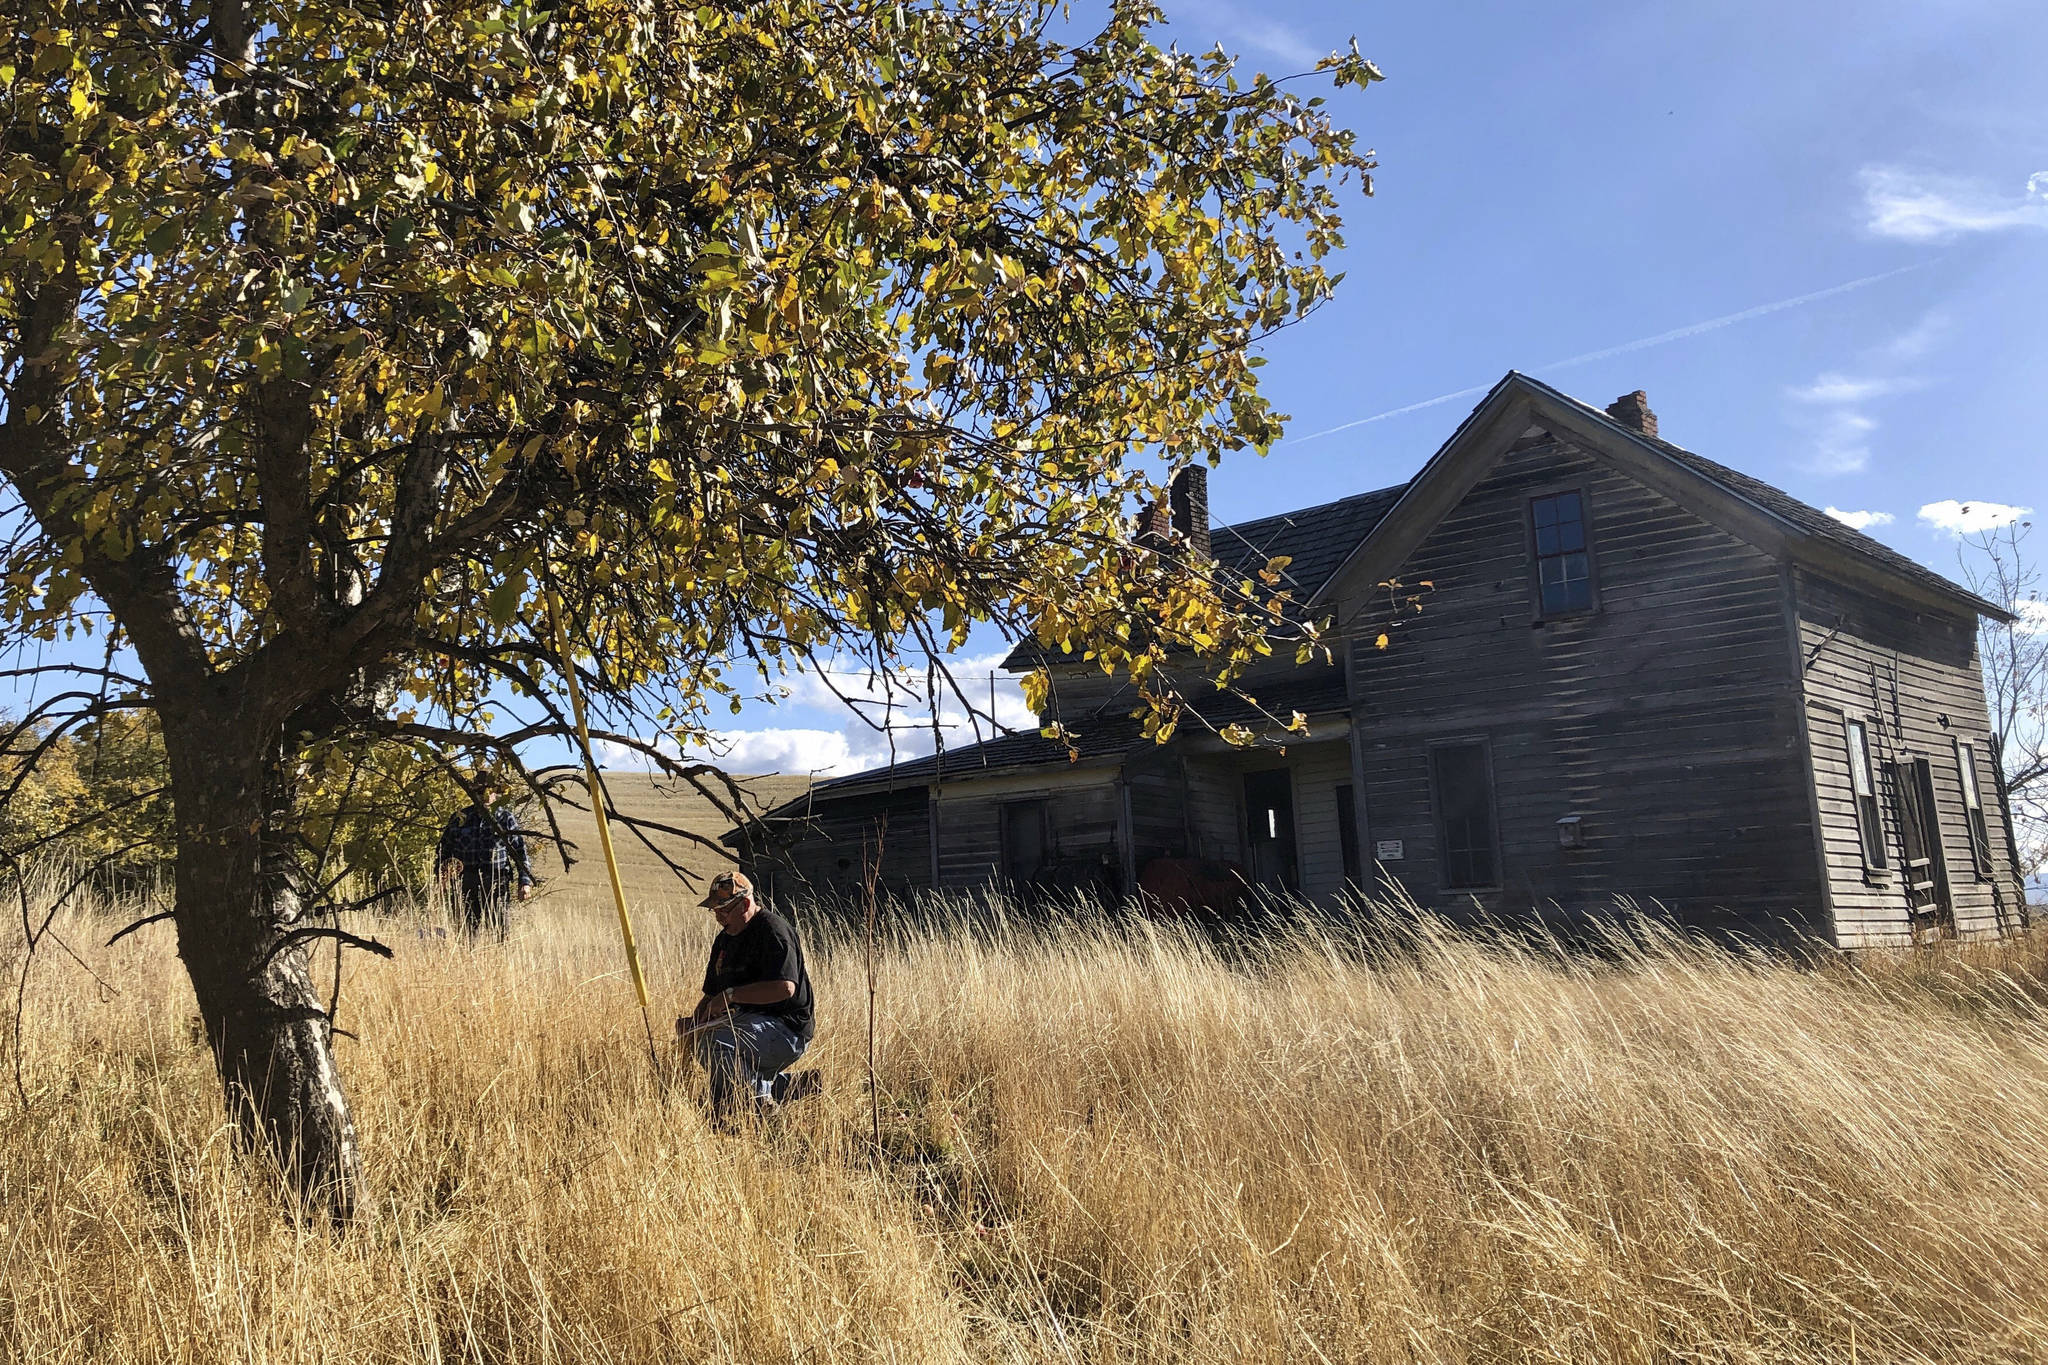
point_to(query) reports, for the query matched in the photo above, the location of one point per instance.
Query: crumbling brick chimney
(1633, 410)
(1188, 506)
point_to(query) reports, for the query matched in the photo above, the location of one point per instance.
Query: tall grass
(1113, 1142)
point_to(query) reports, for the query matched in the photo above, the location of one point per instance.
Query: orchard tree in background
(331, 339)
(1997, 568)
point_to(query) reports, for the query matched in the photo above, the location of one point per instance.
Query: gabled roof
(1315, 539)
(1426, 497)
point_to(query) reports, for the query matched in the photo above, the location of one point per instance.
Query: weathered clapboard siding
(1215, 807)
(1158, 806)
(1667, 720)
(1853, 645)
(828, 860)
(1319, 769)
(1081, 819)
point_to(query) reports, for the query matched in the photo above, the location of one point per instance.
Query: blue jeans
(744, 1053)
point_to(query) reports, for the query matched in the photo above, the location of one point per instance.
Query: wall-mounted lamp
(1570, 833)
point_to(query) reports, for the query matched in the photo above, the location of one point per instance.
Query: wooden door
(1922, 866)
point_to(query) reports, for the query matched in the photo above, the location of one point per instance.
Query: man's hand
(525, 891)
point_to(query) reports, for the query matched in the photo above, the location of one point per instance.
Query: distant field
(670, 803)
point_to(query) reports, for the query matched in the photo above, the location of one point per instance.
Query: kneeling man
(755, 1018)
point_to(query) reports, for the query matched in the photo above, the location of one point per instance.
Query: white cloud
(1917, 340)
(1245, 24)
(1860, 521)
(797, 751)
(1841, 388)
(1842, 443)
(1968, 518)
(2033, 614)
(1914, 206)
(868, 708)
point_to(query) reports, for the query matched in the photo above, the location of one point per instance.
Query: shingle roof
(1109, 729)
(1775, 501)
(1812, 521)
(1315, 539)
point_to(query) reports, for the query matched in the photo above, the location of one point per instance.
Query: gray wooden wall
(1082, 810)
(1668, 720)
(1853, 645)
(827, 859)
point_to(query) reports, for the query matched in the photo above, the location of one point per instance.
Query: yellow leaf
(1380, 643)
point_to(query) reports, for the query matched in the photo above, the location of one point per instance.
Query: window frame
(1537, 614)
(1436, 812)
(1870, 833)
(1970, 779)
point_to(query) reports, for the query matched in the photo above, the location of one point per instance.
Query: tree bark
(237, 897)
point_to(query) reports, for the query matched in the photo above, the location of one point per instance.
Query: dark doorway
(1924, 868)
(1269, 829)
(1025, 844)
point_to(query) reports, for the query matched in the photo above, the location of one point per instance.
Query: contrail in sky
(1640, 343)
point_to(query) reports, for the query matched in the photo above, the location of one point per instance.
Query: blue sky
(1559, 181)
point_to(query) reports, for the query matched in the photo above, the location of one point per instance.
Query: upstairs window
(1461, 780)
(1869, 824)
(1973, 809)
(1564, 568)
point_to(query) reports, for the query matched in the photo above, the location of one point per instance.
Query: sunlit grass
(1113, 1141)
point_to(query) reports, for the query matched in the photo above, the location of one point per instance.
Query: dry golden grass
(1114, 1144)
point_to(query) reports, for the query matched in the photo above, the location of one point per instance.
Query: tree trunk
(237, 901)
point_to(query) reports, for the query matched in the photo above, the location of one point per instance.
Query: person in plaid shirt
(484, 847)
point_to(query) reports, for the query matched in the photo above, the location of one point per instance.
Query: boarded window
(1973, 808)
(1921, 864)
(1564, 567)
(1347, 831)
(1862, 781)
(1024, 841)
(1462, 788)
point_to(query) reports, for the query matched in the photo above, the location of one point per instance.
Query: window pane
(1550, 571)
(1966, 763)
(1546, 540)
(1571, 535)
(1577, 596)
(1859, 760)
(1574, 568)
(1464, 814)
(1567, 507)
(1546, 511)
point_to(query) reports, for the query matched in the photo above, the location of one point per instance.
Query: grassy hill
(647, 879)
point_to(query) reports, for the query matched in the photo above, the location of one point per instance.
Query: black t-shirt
(765, 949)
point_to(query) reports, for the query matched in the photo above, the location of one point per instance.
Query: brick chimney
(1155, 524)
(1188, 506)
(1633, 410)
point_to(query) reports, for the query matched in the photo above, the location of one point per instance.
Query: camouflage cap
(725, 886)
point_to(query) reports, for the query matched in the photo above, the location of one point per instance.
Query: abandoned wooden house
(1639, 673)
